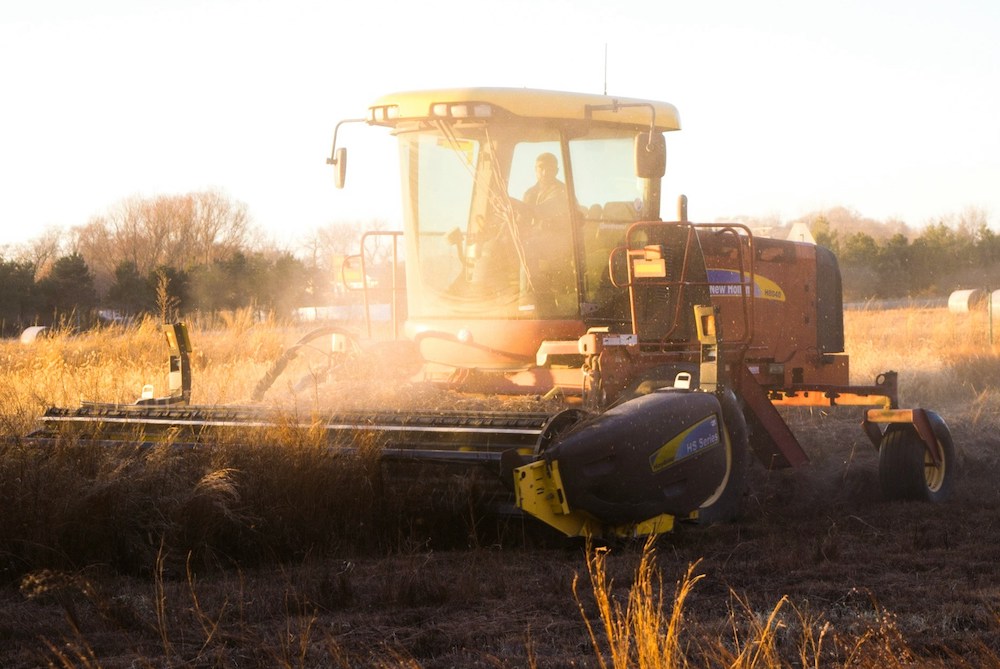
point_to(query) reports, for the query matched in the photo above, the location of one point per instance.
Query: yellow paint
(538, 491)
(531, 103)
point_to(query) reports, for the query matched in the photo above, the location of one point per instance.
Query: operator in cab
(548, 243)
(547, 198)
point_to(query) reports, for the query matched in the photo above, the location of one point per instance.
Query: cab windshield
(507, 220)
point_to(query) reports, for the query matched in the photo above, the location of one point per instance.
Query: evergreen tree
(68, 290)
(130, 292)
(18, 297)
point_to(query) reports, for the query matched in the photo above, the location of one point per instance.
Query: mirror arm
(332, 160)
(338, 157)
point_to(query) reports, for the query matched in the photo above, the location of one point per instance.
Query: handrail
(396, 290)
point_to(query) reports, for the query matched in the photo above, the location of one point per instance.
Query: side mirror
(650, 155)
(351, 276)
(339, 162)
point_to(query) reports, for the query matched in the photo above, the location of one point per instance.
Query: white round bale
(31, 334)
(964, 301)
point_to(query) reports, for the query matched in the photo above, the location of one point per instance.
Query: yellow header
(524, 102)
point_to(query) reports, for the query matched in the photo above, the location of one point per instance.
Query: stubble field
(277, 555)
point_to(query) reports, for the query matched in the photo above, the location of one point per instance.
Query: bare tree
(219, 226)
(324, 252)
(42, 251)
(332, 243)
(970, 220)
(844, 221)
(178, 231)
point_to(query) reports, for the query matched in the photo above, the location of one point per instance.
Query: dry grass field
(269, 552)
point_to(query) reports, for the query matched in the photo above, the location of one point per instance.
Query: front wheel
(906, 469)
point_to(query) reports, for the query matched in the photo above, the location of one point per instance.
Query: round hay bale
(34, 332)
(964, 301)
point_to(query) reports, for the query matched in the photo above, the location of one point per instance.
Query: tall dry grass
(113, 363)
(282, 495)
(639, 628)
(642, 634)
(281, 492)
(945, 360)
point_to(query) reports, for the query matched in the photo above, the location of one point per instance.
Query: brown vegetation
(179, 231)
(270, 552)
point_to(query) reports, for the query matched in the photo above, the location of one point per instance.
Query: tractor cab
(514, 202)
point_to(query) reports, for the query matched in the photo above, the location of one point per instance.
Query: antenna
(605, 68)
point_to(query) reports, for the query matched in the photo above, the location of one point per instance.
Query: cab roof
(523, 102)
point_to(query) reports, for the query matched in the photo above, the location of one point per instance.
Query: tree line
(170, 255)
(198, 252)
(67, 293)
(886, 260)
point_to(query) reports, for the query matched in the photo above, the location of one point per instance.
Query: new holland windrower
(533, 259)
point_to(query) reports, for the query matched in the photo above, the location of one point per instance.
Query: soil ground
(897, 583)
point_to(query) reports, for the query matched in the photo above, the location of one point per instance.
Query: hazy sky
(891, 108)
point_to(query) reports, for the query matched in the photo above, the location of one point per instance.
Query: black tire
(905, 467)
(726, 505)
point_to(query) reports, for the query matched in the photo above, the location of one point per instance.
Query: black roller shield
(659, 453)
